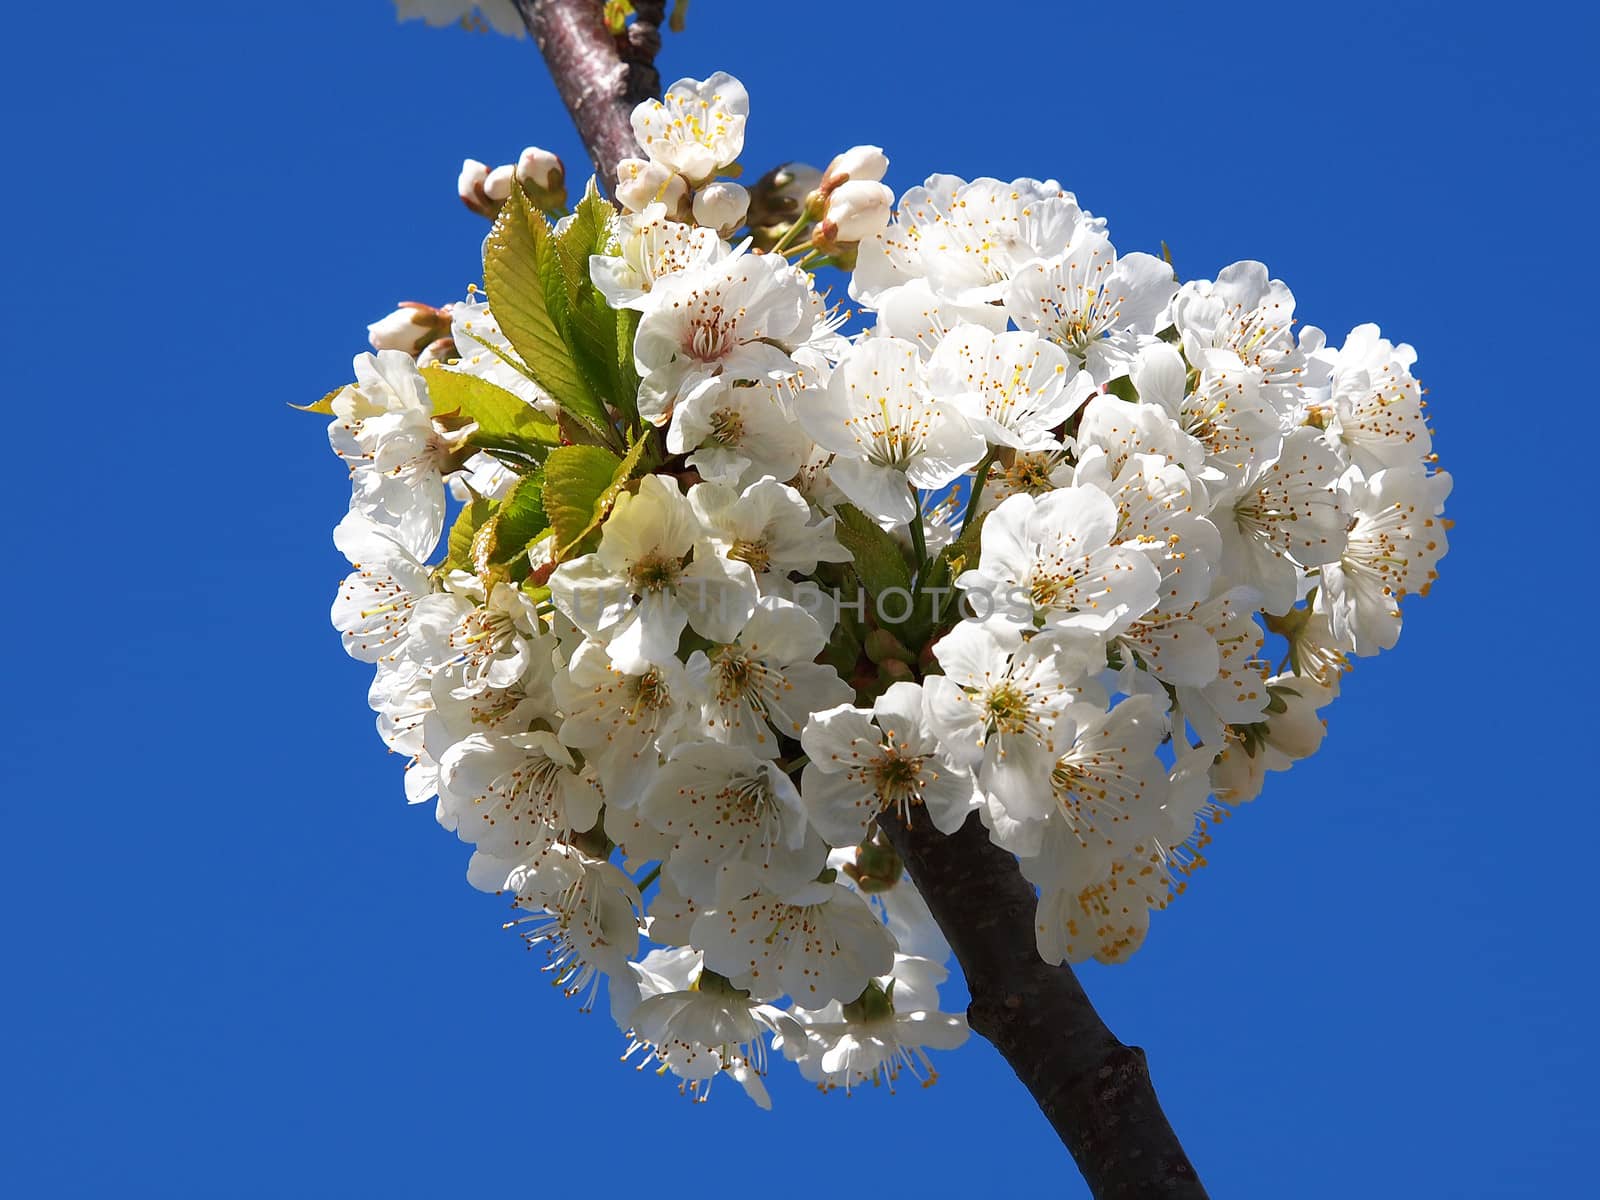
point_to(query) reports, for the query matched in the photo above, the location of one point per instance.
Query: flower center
(655, 573)
(1007, 708)
(897, 779)
(757, 554)
(650, 694)
(1047, 591)
(727, 427)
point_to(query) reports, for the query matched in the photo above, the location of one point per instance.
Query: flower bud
(780, 194)
(866, 163)
(544, 177)
(881, 645)
(892, 670)
(857, 209)
(538, 168)
(641, 183)
(470, 187)
(498, 184)
(721, 206)
(1297, 731)
(410, 327)
(440, 350)
(874, 1004)
(877, 867)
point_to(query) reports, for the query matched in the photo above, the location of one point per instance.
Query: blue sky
(237, 964)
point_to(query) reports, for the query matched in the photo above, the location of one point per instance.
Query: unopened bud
(877, 867)
(641, 183)
(892, 670)
(779, 196)
(470, 187)
(410, 327)
(857, 209)
(872, 1006)
(499, 182)
(881, 645)
(440, 350)
(544, 177)
(865, 163)
(721, 206)
(539, 168)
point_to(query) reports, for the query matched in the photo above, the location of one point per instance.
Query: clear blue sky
(237, 964)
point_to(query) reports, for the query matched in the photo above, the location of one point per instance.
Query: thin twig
(601, 76)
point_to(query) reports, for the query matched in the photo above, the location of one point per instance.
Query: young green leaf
(595, 332)
(325, 405)
(575, 478)
(879, 563)
(500, 415)
(643, 456)
(520, 519)
(530, 299)
(458, 547)
(937, 594)
(589, 232)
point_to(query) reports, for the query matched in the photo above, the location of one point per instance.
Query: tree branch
(600, 76)
(1095, 1091)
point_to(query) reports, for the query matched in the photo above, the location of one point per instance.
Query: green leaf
(501, 538)
(520, 518)
(595, 332)
(575, 478)
(508, 426)
(530, 299)
(643, 456)
(1122, 388)
(458, 547)
(880, 564)
(627, 370)
(589, 232)
(323, 406)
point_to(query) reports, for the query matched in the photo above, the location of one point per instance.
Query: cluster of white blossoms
(726, 591)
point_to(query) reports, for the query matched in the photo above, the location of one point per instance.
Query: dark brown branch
(1094, 1091)
(600, 76)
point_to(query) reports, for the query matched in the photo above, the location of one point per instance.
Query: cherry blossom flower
(697, 127)
(864, 761)
(890, 435)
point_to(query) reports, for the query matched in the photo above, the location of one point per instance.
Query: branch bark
(1095, 1091)
(600, 76)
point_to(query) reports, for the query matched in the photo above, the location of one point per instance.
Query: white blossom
(383, 430)
(889, 433)
(650, 247)
(640, 589)
(1013, 388)
(722, 804)
(866, 761)
(1395, 541)
(695, 129)
(1050, 561)
(967, 239)
(720, 318)
(1092, 302)
(819, 942)
(1287, 516)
